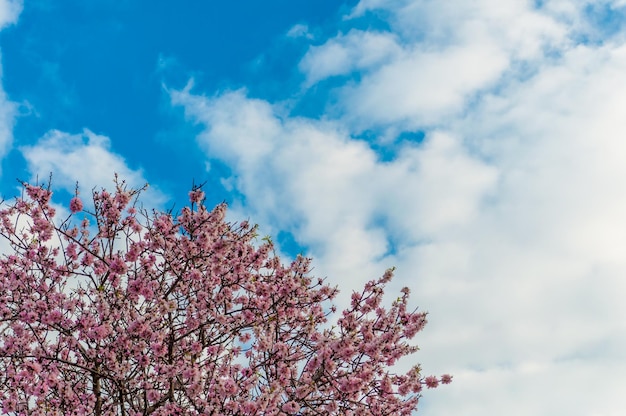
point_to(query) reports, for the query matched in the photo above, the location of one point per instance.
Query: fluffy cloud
(435, 60)
(299, 30)
(357, 50)
(9, 12)
(86, 158)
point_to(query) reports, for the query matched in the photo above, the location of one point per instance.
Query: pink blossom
(431, 382)
(196, 196)
(76, 205)
(117, 265)
(291, 407)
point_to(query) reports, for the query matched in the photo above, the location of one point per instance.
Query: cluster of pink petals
(76, 205)
(134, 314)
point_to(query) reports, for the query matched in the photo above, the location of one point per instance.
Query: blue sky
(476, 145)
(106, 66)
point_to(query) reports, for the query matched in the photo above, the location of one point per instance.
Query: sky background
(477, 145)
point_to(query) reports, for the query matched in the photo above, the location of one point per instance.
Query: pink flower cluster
(185, 315)
(76, 205)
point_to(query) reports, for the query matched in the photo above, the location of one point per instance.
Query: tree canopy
(117, 311)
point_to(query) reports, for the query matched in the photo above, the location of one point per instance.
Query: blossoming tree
(114, 311)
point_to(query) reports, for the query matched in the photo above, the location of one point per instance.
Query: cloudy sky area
(477, 145)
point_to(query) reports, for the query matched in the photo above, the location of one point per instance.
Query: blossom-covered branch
(121, 312)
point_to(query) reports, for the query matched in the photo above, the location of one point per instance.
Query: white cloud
(537, 276)
(516, 26)
(432, 188)
(507, 220)
(84, 158)
(345, 53)
(10, 11)
(437, 58)
(298, 31)
(422, 87)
